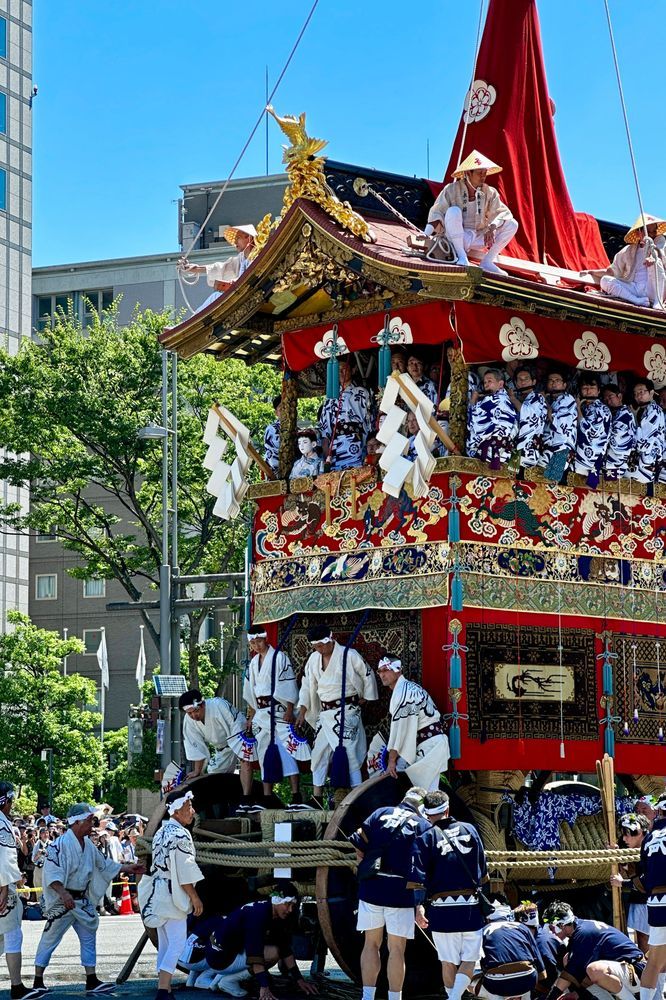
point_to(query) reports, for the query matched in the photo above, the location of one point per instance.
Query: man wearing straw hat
(222, 274)
(416, 737)
(471, 214)
(638, 271)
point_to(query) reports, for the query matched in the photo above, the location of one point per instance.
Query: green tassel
(333, 378)
(454, 741)
(384, 365)
(455, 679)
(457, 591)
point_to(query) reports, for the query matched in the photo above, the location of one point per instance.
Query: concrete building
(15, 248)
(57, 600)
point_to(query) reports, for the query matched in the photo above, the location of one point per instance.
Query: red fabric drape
(512, 123)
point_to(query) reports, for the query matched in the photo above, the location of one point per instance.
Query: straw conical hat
(635, 234)
(476, 161)
(231, 232)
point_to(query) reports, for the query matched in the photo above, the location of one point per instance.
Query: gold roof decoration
(307, 179)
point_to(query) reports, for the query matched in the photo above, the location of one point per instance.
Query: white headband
(501, 912)
(283, 899)
(435, 810)
(388, 663)
(195, 704)
(257, 635)
(71, 820)
(315, 642)
(177, 804)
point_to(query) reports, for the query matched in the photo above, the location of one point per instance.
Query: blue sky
(139, 96)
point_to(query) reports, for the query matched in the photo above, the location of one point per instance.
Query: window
(91, 640)
(46, 587)
(3, 38)
(46, 536)
(94, 588)
(3, 113)
(49, 305)
(3, 190)
(94, 304)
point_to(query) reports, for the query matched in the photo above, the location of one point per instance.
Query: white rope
(249, 139)
(476, 59)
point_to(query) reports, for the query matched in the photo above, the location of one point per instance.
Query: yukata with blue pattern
(594, 428)
(531, 427)
(393, 833)
(272, 445)
(561, 427)
(429, 389)
(345, 423)
(621, 442)
(493, 429)
(650, 450)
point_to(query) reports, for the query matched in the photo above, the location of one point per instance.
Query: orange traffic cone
(125, 901)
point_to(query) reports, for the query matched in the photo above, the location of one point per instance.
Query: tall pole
(165, 568)
(65, 633)
(175, 570)
(50, 780)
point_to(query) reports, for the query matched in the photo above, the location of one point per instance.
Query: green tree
(73, 403)
(40, 708)
(122, 775)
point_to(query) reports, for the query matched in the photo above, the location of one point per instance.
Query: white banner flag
(141, 662)
(103, 660)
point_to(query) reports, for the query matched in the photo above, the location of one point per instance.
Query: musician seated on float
(594, 427)
(559, 439)
(638, 271)
(346, 422)
(622, 437)
(471, 214)
(272, 437)
(530, 404)
(647, 462)
(493, 422)
(416, 370)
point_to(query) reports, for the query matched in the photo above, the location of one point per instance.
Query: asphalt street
(116, 938)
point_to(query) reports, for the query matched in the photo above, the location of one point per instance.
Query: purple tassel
(625, 729)
(635, 715)
(660, 734)
(339, 770)
(272, 765)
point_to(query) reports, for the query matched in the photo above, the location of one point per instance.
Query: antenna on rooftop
(427, 157)
(267, 122)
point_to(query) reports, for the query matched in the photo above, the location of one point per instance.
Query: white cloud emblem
(329, 345)
(655, 365)
(518, 341)
(399, 333)
(592, 353)
(479, 100)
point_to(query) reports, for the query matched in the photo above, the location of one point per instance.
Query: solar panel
(169, 685)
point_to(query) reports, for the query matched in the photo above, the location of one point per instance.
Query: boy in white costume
(321, 702)
(472, 215)
(75, 877)
(416, 740)
(169, 894)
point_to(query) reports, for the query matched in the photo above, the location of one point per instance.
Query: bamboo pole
(606, 776)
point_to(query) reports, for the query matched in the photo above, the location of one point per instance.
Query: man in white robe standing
(471, 214)
(168, 894)
(416, 742)
(268, 682)
(11, 910)
(75, 877)
(638, 271)
(212, 722)
(323, 698)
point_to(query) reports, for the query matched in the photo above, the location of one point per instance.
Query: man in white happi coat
(471, 214)
(11, 910)
(221, 275)
(265, 683)
(416, 742)
(321, 698)
(638, 271)
(75, 877)
(212, 722)
(168, 894)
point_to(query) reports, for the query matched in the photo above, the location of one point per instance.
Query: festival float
(532, 610)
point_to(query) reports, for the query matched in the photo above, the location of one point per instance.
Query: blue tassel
(609, 740)
(454, 523)
(272, 765)
(339, 770)
(333, 378)
(454, 741)
(455, 678)
(457, 592)
(608, 678)
(384, 365)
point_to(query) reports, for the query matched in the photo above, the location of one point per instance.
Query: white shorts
(485, 995)
(657, 936)
(398, 920)
(458, 946)
(637, 918)
(622, 971)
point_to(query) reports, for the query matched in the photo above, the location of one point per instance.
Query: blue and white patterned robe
(429, 389)
(531, 426)
(621, 442)
(592, 440)
(561, 427)
(350, 418)
(493, 429)
(303, 466)
(650, 448)
(272, 444)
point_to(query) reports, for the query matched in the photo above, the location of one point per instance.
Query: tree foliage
(73, 404)
(41, 708)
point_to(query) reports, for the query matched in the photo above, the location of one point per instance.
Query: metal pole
(165, 568)
(65, 633)
(50, 780)
(175, 589)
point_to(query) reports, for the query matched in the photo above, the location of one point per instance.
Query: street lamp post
(169, 626)
(49, 751)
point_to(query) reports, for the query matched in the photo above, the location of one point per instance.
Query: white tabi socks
(460, 984)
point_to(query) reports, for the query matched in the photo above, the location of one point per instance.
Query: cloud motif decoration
(518, 341)
(655, 364)
(592, 353)
(330, 346)
(479, 100)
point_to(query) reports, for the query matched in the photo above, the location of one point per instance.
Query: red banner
(423, 324)
(489, 334)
